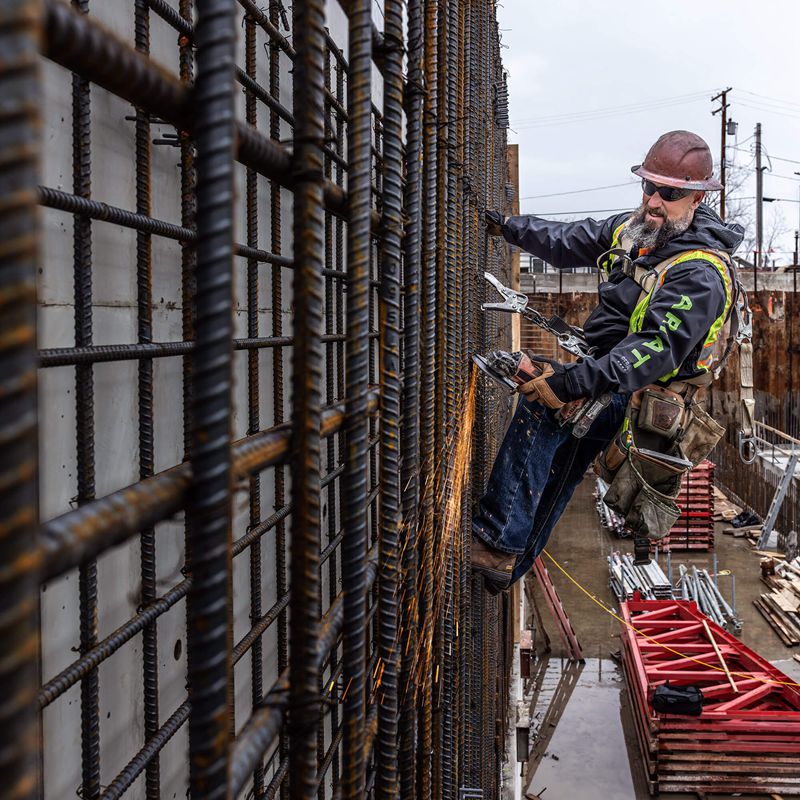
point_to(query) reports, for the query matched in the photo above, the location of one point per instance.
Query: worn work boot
(495, 565)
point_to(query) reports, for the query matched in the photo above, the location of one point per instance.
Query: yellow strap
(660, 274)
(608, 264)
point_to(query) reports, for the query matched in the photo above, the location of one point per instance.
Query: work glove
(494, 222)
(549, 388)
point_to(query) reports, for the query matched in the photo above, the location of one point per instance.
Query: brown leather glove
(544, 387)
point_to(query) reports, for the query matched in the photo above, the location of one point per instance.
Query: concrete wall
(116, 420)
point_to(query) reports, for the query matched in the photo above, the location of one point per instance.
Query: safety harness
(731, 329)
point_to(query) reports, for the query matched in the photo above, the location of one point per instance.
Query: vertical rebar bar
(354, 479)
(276, 246)
(20, 131)
(308, 21)
(145, 410)
(429, 386)
(329, 509)
(188, 252)
(390, 265)
(411, 394)
(209, 507)
(253, 394)
(84, 429)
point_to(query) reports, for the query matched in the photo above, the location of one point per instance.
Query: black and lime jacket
(637, 343)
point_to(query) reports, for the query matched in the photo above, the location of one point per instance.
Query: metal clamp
(569, 338)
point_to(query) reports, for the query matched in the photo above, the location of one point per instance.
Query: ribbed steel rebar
(20, 26)
(387, 785)
(84, 428)
(208, 511)
(276, 245)
(253, 410)
(144, 282)
(429, 389)
(411, 396)
(354, 480)
(308, 21)
(329, 446)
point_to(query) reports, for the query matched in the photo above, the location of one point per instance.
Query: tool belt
(666, 431)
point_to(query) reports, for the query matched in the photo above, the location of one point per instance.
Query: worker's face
(656, 221)
(657, 211)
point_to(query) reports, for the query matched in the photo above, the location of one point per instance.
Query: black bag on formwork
(686, 701)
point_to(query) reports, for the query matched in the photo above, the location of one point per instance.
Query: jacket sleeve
(680, 314)
(562, 244)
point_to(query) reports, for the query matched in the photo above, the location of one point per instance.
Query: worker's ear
(698, 198)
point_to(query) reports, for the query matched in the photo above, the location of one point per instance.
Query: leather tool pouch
(643, 492)
(701, 434)
(661, 411)
(642, 489)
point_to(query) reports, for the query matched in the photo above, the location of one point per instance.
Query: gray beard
(647, 236)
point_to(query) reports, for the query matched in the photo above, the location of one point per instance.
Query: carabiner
(747, 445)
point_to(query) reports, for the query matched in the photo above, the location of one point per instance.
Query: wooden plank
(719, 656)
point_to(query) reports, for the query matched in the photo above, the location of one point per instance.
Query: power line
(531, 126)
(767, 97)
(640, 103)
(768, 110)
(579, 191)
(541, 122)
(777, 158)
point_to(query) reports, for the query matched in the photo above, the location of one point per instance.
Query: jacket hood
(706, 231)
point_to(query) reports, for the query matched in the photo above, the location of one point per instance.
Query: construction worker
(666, 294)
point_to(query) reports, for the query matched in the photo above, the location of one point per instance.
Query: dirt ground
(586, 745)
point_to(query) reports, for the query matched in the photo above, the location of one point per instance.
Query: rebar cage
(234, 512)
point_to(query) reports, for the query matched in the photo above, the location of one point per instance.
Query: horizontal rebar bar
(70, 675)
(87, 531)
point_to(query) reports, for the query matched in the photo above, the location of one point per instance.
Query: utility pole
(723, 98)
(759, 207)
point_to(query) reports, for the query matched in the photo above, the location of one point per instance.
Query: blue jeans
(534, 475)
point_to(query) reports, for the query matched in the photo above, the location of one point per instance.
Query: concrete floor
(587, 746)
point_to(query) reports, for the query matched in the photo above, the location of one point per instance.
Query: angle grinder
(510, 370)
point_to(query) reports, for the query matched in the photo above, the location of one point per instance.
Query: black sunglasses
(668, 193)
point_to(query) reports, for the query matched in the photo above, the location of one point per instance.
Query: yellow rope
(627, 624)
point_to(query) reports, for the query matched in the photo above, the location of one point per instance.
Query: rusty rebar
(208, 510)
(354, 480)
(144, 280)
(20, 26)
(409, 622)
(84, 428)
(308, 21)
(429, 391)
(387, 785)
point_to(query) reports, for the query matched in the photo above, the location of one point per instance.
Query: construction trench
(241, 260)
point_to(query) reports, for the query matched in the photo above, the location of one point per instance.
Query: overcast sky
(664, 61)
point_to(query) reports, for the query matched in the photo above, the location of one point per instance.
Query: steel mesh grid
(225, 455)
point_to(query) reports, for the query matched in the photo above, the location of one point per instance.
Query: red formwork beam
(747, 738)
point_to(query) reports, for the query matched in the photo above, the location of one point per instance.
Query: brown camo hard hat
(681, 159)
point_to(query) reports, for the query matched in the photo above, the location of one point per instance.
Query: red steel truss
(748, 736)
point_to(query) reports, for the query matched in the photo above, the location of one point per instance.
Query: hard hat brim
(708, 185)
